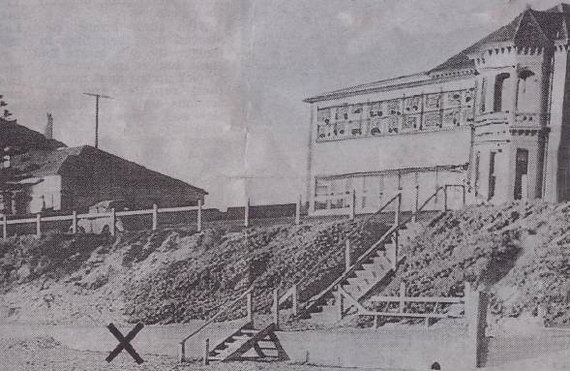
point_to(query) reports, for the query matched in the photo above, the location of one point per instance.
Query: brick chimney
(48, 132)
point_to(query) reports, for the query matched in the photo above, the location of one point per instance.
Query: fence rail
(75, 218)
(402, 311)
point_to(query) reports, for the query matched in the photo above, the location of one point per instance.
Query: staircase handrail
(288, 293)
(398, 194)
(371, 250)
(228, 305)
(303, 279)
(425, 203)
(353, 267)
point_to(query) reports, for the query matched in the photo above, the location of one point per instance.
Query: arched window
(499, 90)
(524, 77)
(528, 91)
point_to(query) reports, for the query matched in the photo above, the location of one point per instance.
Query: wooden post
(478, 302)
(206, 360)
(402, 295)
(347, 262)
(396, 232)
(38, 225)
(182, 352)
(199, 217)
(464, 195)
(74, 222)
(467, 297)
(445, 197)
(295, 299)
(375, 322)
(246, 214)
(249, 304)
(353, 205)
(417, 204)
(113, 222)
(154, 217)
(4, 226)
(298, 211)
(276, 308)
(340, 304)
(398, 209)
(395, 250)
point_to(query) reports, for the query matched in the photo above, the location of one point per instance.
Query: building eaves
(380, 86)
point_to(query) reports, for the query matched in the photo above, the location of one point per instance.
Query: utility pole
(97, 97)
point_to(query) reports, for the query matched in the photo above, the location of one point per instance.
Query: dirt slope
(165, 276)
(519, 252)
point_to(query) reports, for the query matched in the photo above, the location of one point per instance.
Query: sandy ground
(45, 353)
(25, 347)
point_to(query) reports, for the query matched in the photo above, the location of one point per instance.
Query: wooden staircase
(366, 274)
(373, 268)
(250, 344)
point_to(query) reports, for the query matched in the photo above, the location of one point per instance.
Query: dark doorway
(492, 177)
(521, 170)
(499, 88)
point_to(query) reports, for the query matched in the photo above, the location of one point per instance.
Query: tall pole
(97, 97)
(97, 121)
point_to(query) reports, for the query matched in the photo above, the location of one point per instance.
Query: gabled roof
(530, 29)
(39, 163)
(17, 136)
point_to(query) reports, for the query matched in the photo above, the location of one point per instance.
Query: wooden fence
(40, 220)
(112, 215)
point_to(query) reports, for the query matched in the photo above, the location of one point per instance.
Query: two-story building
(494, 118)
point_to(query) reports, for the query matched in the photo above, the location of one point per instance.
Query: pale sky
(211, 91)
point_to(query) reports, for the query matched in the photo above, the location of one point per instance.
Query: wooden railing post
(249, 305)
(445, 197)
(4, 227)
(478, 302)
(246, 214)
(295, 299)
(352, 211)
(398, 209)
(206, 360)
(199, 217)
(396, 238)
(298, 211)
(154, 217)
(417, 204)
(276, 307)
(74, 222)
(38, 225)
(347, 262)
(402, 296)
(112, 227)
(464, 195)
(340, 304)
(182, 352)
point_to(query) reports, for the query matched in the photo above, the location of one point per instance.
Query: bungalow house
(55, 177)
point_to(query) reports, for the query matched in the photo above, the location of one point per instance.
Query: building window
(524, 78)
(521, 171)
(483, 93)
(498, 99)
(492, 177)
(477, 170)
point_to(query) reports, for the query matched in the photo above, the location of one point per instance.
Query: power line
(97, 97)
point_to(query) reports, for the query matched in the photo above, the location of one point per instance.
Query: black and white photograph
(287, 185)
